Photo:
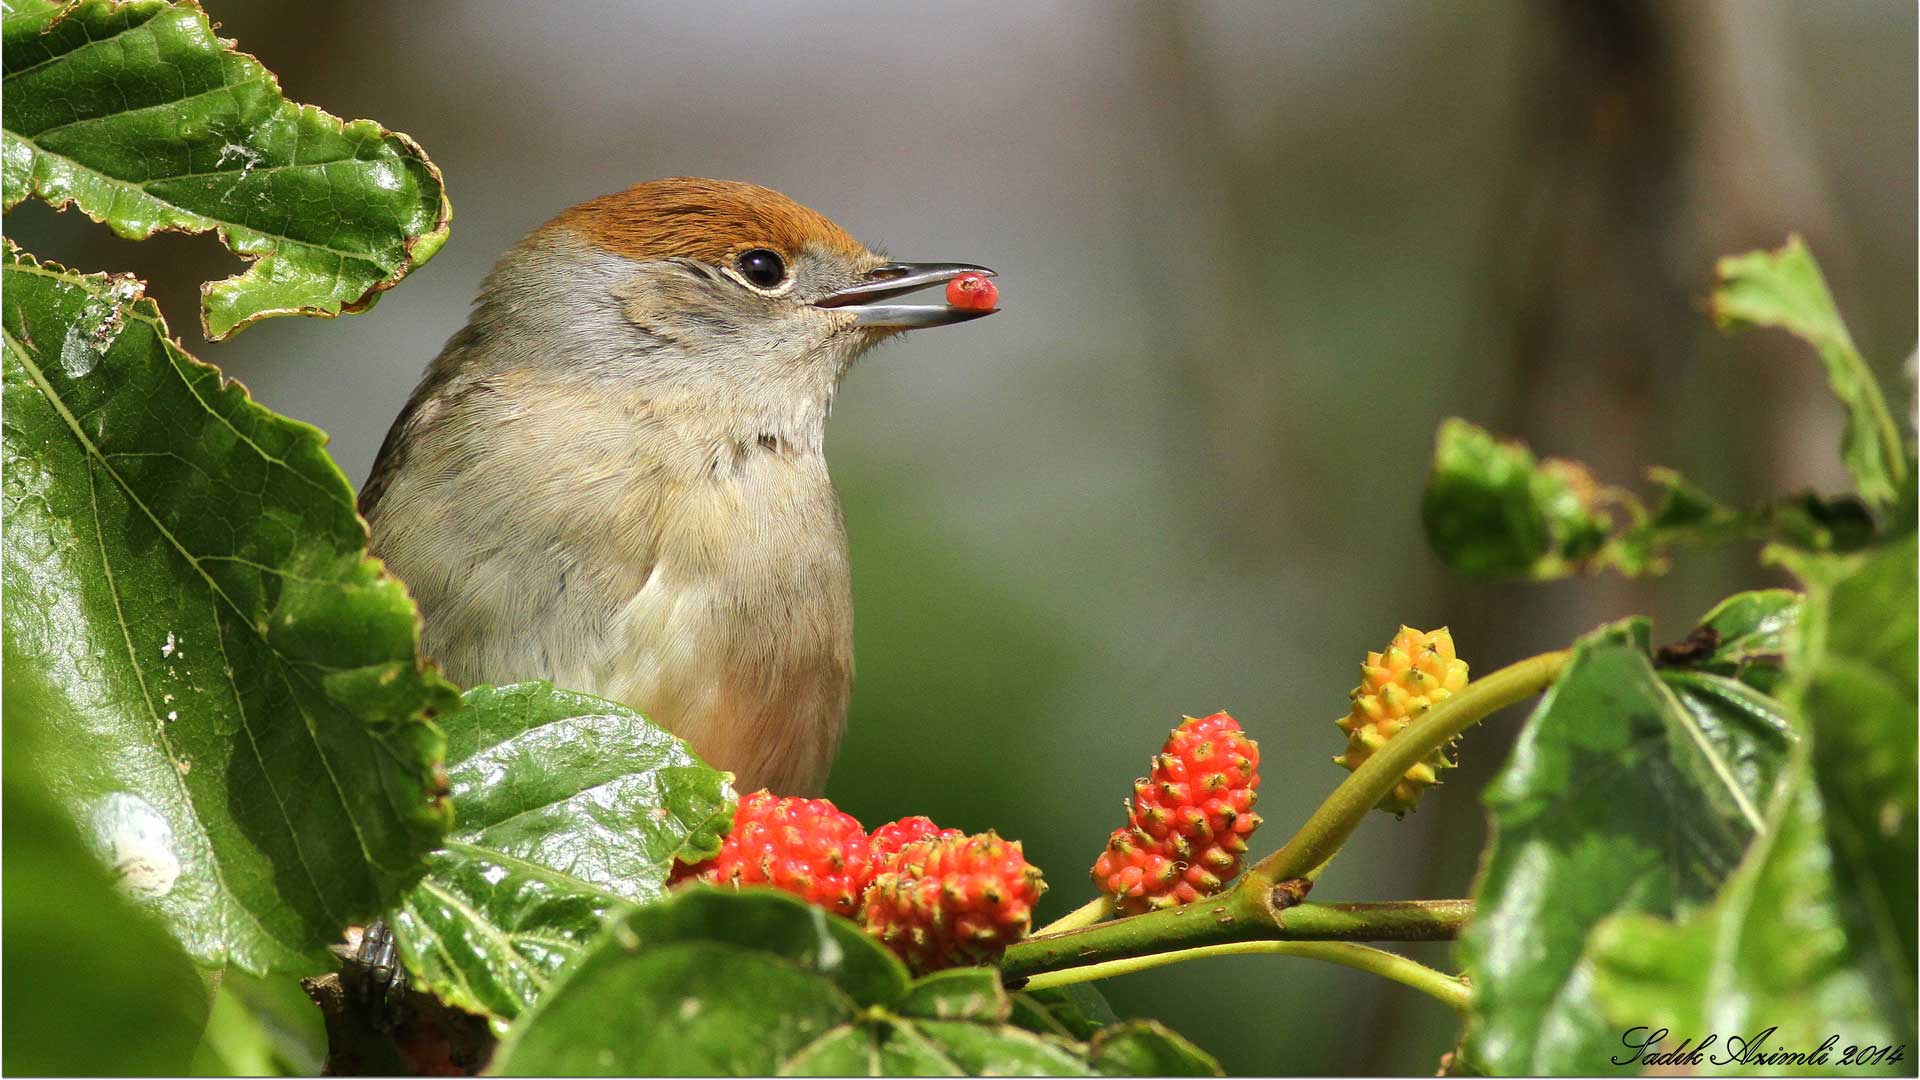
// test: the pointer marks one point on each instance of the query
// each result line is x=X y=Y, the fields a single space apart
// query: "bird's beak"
x=898 y=279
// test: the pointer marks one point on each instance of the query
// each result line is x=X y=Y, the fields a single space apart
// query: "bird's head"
x=713 y=294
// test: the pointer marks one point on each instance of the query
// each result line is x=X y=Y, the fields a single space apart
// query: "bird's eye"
x=762 y=267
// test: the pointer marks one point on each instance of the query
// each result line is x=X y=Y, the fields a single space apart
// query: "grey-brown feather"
x=614 y=478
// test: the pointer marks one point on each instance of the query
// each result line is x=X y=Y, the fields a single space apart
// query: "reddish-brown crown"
x=709 y=220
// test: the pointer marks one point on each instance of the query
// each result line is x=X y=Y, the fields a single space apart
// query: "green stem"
x=1239 y=915
x=1098 y=909
x=1258 y=908
x=1446 y=988
x=1342 y=812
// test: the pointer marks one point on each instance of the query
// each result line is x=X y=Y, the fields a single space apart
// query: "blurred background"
x=1250 y=255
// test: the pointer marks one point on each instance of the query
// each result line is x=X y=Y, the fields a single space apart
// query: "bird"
x=614 y=476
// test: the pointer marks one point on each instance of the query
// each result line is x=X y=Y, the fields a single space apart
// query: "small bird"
x=614 y=477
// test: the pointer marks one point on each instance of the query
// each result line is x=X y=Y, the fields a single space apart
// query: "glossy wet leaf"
x=716 y=982
x=1814 y=933
x=1785 y=289
x=1855 y=687
x=1774 y=951
x=1857 y=691
x=1745 y=636
x=95 y=986
x=143 y=118
x=1630 y=789
x=239 y=700
x=570 y=807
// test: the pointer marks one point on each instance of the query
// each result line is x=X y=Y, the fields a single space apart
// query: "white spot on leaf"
x=137 y=842
x=248 y=158
x=97 y=327
x=77 y=357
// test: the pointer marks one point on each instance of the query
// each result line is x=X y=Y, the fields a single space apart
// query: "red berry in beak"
x=972 y=292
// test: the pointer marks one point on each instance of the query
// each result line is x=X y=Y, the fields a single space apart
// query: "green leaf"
x=1630 y=789
x=1745 y=636
x=261 y=1027
x=95 y=985
x=1785 y=289
x=143 y=118
x=957 y=994
x=1492 y=510
x=1814 y=934
x=1773 y=952
x=716 y=982
x=1855 y=685
x=238 y=700
x=1076 y=1010
x=1147 y=1048
x=570 y=808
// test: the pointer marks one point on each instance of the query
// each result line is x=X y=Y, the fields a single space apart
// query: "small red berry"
x=1135 y=872
x=888 y=839
x=972 y=292
x=1188 y=820
x=807 y=847
x=954 y=900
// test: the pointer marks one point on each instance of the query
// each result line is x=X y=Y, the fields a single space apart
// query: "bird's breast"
x=604 y=546
x=740 y=637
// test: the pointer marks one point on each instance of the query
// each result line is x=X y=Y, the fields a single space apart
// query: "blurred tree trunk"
x=1661 y=136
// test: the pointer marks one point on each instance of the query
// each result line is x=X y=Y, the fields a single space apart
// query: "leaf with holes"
x=1631 y=789
x=571 y=807
x=716 y=982
x=143 y=118
x=239 y=708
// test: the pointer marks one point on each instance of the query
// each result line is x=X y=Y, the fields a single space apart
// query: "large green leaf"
x=570 y=808
x=1773 y=952
x=238 y=705
x=1814 y=935
x=1631 y=789
x=1855 y=686
x=143 y=118
x=94 y=985
x=1785 y=289
x=715 y=982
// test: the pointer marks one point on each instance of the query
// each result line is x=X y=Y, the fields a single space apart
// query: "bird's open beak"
x=898 y=279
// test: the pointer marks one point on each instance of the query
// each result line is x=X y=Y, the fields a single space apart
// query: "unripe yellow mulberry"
x=1416 y=672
